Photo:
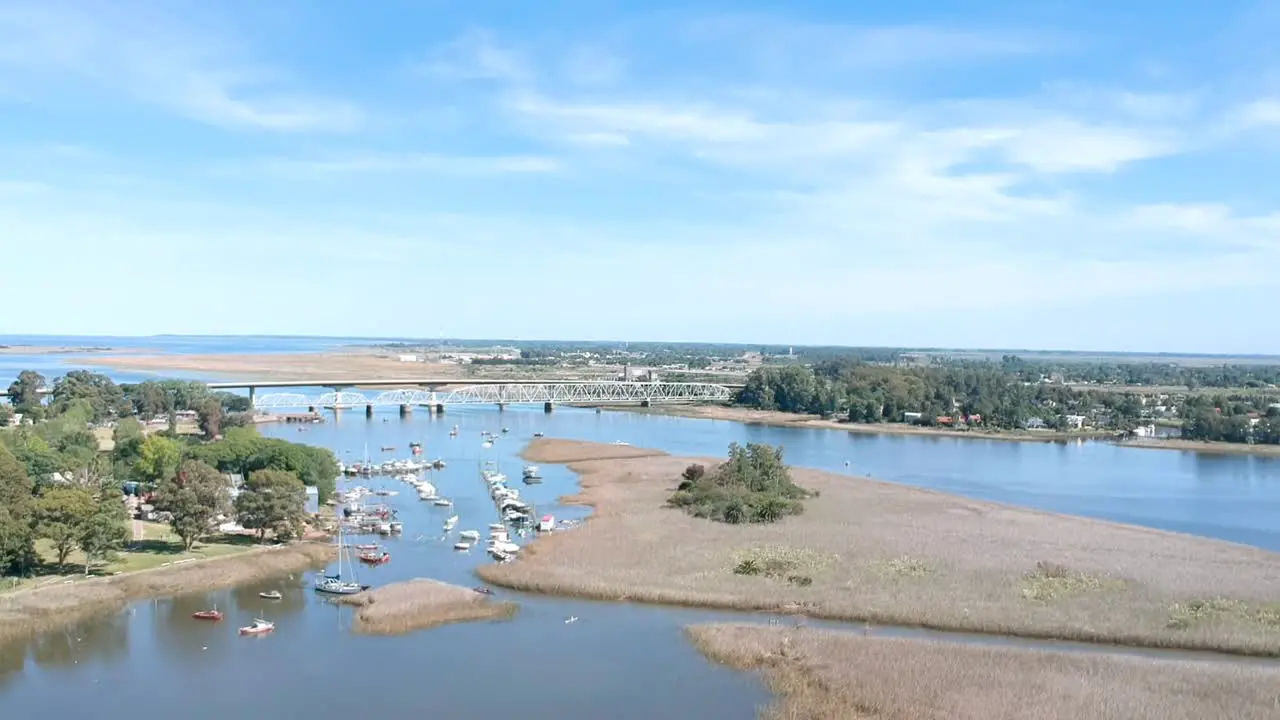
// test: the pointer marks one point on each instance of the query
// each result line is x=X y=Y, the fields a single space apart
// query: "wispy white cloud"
x=414 y=163
x=156 y=59
x=476 y=55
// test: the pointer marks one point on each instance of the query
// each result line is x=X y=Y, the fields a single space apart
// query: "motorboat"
x=451 y=523
x=486 y=444
x=214 y=615
x=368 y=546
x=506 y=430
x=482 y=590
x=464 y=545
x=469 y=535
x=530 y=471
x=375 y=557
x=538 y=434
x=442 y=502
x=258 y=627
x=438 y=464
x=497 y=526
x=270 y=595
x=397 y=527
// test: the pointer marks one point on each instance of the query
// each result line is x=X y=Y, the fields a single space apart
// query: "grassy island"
x=420 y=604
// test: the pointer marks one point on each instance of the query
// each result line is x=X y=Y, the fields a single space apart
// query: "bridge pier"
x=645 y=403
x=439 y=408
x=406 y=410
x=368 y=411
x=502 y=407
x=311 y=408
x=546 y=406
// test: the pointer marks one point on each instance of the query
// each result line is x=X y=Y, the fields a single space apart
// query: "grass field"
x=892 y=554
x=832 y=675
x=158 y=547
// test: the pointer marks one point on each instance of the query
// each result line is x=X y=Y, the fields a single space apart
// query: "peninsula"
x=880 y=552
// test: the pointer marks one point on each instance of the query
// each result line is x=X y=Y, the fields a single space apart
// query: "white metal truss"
x=567 y=393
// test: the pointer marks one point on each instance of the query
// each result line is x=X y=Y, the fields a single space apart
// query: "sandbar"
x=25 y=613
x=835 y=675
x=875 y=551
x=419 y=604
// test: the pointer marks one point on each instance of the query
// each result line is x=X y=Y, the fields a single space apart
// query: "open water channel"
x=617 y=660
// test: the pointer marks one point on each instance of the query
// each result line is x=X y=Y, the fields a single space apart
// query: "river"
x=618 y=660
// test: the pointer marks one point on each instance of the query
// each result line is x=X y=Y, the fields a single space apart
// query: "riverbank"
x=793 y=420
x=834 y=675
x=420 y=604
x=25 y=613
x=867 y=550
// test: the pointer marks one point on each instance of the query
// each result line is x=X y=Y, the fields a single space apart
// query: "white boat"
x=334 y=584
x=462 y=546
x=443 y=502
x=451 y=523
x=397 y=527
x=531 y=471
x=486 y=444
x=469 y=535
x=497 y=526
x=547 y=524
x=258 y=627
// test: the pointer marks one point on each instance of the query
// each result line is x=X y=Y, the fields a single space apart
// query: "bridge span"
x=500 y=393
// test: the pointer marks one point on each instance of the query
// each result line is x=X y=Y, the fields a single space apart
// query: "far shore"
x=28 y=612
x=775 y=418
x=56 y=350
x=880 y=552
x=420 y=604
x=835 y=675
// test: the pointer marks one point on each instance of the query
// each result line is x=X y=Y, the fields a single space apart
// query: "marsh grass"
x=904 y=566
x=831 y=675
x=1051 y=581
x=797 y=566
x=419 y=604
x=29 y=612
x=977 y=556
x=1193 y=612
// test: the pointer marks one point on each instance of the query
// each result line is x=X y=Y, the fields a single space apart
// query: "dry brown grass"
x=28 y=612
x=903 y=556
x=832 y=675
x=420 y=604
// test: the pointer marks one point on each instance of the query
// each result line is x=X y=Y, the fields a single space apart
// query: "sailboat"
x=334 y=584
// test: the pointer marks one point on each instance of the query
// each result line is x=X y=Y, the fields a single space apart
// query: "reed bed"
x=419 y=604
x=892 y=554
x=834 y=675
x=29 y=612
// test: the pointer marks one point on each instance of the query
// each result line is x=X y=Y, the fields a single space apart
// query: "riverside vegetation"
x=62 y=495
x=866 y=550
x=834 y=675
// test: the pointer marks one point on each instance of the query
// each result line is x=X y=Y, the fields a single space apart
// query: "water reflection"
x=103 y=639
x=13 y=658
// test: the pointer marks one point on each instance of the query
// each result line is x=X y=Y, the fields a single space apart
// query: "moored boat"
x=214 y=615
x=464 y=545
x=270 y=595
x=258 y=627
x=451 y=523
x=469 y=535
x=375 y=557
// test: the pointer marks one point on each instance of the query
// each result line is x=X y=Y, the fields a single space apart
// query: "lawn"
x=157 y=547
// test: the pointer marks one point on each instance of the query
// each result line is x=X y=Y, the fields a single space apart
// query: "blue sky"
x=1080 y=175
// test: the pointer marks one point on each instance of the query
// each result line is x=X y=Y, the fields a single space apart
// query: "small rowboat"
x=367 y=546
x=375 y=558
x=482 y=590
x=270 y=595
x=214 y=615
x=259 y=627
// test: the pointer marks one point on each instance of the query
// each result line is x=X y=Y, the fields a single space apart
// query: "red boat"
x=207 y=615
x=375 y=558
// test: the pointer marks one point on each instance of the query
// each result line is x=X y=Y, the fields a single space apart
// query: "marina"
x=306 y=629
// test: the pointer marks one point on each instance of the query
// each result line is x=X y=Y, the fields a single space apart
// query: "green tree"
x=195 y=497
x=272 y=500
x=128 y=428
x=158 y=459
x=17 y=535
x=104 y=398
x=61 y=515
x=37 y=458
x=25 y=391
x=6 y=415
x=105 y=530
x=209 y=412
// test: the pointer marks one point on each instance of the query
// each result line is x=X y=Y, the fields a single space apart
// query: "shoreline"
x=833 y=674
x=891 y=554
x=774 y=418
x=31 y=611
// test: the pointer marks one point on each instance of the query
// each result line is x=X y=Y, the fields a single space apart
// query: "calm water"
x=618 y=660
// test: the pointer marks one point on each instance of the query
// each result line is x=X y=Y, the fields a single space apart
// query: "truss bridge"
x=548 y=394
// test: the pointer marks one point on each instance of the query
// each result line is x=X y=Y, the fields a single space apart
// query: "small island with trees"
x=752 y=486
